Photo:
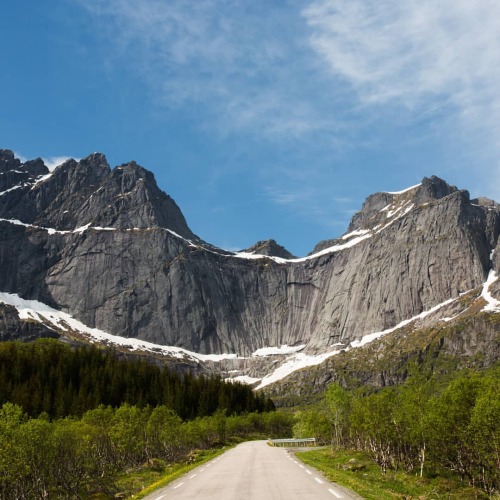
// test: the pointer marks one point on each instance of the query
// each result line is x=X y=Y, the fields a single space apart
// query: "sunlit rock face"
x=113 y=250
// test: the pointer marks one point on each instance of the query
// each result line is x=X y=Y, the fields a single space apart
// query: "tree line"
x=49 y=377
x=420 y=427
x=81 y=457
x=73 y=419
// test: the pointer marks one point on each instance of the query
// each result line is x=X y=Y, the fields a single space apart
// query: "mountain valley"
x=101 y=255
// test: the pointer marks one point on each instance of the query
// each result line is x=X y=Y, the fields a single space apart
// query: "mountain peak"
x=8 y=161
x=271 y=249
x=433 y=188
x=77 y=241
x=87 y=192
x=384 y=204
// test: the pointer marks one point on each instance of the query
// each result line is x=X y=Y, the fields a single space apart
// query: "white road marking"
x=191 y=477
x=308 y=471
x=178 y=486
x=300 y=465
x=160 y=497
x=318 y=480
x=335 y=493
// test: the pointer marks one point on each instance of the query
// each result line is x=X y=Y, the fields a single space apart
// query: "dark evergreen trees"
x=51 y=377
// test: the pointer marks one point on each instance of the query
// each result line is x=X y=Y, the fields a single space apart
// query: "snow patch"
x=353 y=238
x=14 y=171
x=366 y=339
x=392 y=212
x=294 y=363
x=492 y=304
x=11 y=189
x=335 y=248
x=358 y=232
x=35 y=310
x=284 y=349
x=404 y=190
x=377 y=229
x=41 y=179
x=51 y=230
x=82 y=228
x=301 y=360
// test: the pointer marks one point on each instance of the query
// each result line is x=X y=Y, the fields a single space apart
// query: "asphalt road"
x=253 y=471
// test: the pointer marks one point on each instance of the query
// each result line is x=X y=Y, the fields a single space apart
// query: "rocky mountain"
x=269 y=248
x=108 y=249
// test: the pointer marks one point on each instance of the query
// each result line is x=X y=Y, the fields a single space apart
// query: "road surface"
x=253 y=471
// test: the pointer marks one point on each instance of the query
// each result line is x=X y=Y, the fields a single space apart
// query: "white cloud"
x=419 y=54
x=20 y=157
x=427 y=62
x=54 y=161
x=51 y=162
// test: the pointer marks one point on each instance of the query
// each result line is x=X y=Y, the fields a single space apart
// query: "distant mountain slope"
x=109 y=248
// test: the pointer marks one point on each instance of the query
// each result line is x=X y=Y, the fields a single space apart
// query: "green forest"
x=423 y=427
x=49 y=377
x=72 y=421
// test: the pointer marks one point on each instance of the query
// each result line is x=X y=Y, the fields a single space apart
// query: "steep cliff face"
x=109 y=247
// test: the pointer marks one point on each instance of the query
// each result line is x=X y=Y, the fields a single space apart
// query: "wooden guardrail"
x=292 y=442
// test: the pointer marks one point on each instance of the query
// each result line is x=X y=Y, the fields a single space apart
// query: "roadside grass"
x=358 y=472
x=138 y=483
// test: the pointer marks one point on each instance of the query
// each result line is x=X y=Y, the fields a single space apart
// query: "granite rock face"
x=110 y=248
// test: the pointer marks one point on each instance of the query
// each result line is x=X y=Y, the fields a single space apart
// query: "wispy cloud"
x=421 y=55
x=421 y=62
x=54 y=161
x=314 y=75
x=20 y=157
x=51 y=162
x=242 y=62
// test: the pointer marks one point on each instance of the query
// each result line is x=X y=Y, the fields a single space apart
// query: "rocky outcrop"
x=109 y=247
x=271 y=249
x=13 y=328
x=14 y=174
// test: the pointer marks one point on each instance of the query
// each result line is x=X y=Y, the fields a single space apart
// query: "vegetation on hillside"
x=74 y=420
x=420 y=427
x=438 y=351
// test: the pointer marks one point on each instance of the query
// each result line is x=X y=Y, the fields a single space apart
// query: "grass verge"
x=139 y=483
x=358 y=472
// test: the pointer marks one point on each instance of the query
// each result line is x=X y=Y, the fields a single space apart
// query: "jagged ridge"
x=110 y=248
x=85 y=192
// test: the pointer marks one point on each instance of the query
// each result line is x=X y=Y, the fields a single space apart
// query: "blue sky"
x=262 y=119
